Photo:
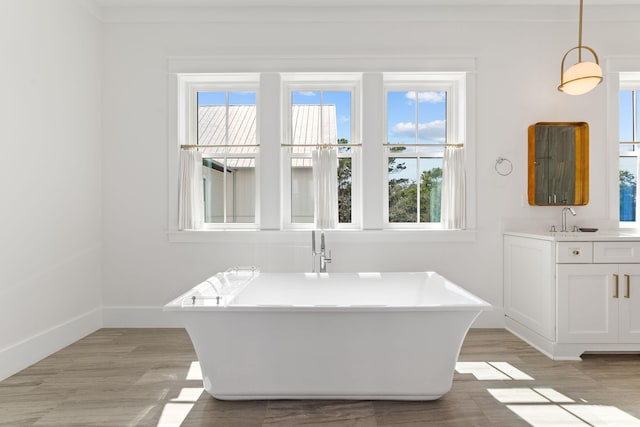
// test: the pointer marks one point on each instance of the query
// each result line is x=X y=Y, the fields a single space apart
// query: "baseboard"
x=19 y=356
x=139 y=317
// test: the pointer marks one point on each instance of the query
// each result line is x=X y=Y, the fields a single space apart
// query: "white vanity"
x=570 y=293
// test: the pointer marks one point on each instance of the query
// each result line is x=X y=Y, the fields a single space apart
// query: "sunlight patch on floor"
x=544 y=406
x=177 y=409
x=485 y=371
x=546 y=415
x=602 y=415
x=195 y=373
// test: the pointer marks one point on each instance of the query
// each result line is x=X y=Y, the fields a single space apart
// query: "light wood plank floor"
x=129 y=377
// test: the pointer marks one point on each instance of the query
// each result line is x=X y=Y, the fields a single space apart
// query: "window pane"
x=231 y=190
x=213 y=186
x=403 y=192
x=628 y=183
x=401 y=117
x=302 y=200
x=341 y=100
x=626 y=116
x=430 y=189
x=212 y=118
x=305 y=118
x=242 y=98
x=344 y=190
x=432 y=117
x=216 y=128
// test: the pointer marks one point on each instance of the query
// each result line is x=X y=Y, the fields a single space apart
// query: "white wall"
x=518 y=68
x=50 y=178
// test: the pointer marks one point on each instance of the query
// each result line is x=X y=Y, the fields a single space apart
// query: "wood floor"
x=130 y=377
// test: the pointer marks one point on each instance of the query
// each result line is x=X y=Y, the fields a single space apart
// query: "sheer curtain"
x=453 y=189
x=190 y=206
x=325 y=184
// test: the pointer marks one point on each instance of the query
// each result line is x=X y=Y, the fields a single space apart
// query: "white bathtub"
x=327 y=335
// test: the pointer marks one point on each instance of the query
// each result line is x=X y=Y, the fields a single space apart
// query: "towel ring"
x=505 y=169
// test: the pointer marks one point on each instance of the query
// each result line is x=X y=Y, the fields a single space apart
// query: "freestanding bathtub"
x=327 y=335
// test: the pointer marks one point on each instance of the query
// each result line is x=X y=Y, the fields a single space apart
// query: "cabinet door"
x=529 y=286
x=587 y=309
x=629 y=303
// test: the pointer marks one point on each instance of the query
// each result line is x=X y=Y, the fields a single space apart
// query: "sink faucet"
x=324 y=259
x=564 y=218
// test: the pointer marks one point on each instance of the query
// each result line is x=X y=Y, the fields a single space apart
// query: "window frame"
x=454 y=86
x=321 y=82
x=219 y=82
x=270 y=68
x=630 y=82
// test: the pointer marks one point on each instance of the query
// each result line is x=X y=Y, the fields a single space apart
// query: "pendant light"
x=583 y=76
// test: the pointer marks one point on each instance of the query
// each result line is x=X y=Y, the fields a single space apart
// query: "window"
x=320 y=111
x=223 y=127
x=420 y=123
x=628 y=148
x=269 y=133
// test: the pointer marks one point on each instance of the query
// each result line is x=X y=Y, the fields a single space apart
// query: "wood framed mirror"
x=559 y=164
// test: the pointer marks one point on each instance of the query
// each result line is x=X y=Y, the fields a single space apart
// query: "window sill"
x=338 y=236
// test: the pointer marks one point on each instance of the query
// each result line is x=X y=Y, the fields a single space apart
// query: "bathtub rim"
x=475 y=303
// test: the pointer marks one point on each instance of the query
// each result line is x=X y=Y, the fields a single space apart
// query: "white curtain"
x=452 y=212
x=191 y=203
x=325 y=184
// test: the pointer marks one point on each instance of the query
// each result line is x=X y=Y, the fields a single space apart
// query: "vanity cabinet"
x=595 y=304
x=568 y=297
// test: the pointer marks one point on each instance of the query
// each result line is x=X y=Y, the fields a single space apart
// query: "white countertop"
x=600 y=235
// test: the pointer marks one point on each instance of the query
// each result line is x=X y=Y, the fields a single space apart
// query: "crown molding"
x=368 y=14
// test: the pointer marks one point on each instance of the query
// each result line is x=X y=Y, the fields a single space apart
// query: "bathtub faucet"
x=324 y=259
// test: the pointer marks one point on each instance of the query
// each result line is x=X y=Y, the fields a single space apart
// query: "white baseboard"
x=21 y=355
x=139 y=317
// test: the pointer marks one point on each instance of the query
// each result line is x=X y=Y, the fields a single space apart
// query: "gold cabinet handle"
x=628 y=294
x=615 y=276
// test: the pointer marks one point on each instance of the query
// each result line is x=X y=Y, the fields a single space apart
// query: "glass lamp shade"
x=581 y=78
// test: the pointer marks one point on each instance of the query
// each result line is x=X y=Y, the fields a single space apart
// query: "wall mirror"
x=559 y=164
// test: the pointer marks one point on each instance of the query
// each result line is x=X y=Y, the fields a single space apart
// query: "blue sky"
x=626 y=116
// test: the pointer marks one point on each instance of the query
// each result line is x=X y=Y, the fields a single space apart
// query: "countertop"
x=600 y=235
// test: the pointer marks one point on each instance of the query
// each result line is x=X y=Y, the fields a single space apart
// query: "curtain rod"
x=422 y=145
x=321 y=145
x=187 y=146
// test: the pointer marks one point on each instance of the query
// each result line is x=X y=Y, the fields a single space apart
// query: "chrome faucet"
x=564 y=218
x=324 y=259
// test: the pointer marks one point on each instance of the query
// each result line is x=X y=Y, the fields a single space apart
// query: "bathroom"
x=90 y=238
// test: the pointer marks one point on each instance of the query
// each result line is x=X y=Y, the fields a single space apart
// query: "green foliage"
x=344 y=187
x=403 y=193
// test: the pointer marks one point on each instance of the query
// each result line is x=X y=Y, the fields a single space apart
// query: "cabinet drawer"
x=574 y=252
x=616 y=252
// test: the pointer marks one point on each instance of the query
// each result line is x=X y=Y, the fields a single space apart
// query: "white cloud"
x=343 y=119
x=432 y=97
x=306 y=93
x=431 y=131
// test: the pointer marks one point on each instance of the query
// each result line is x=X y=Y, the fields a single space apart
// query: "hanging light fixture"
x=584 y=75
